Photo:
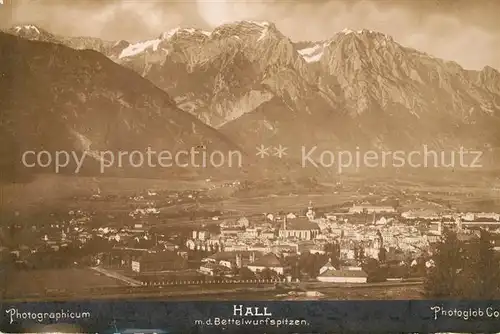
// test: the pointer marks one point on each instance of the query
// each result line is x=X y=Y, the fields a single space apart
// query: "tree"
x=304 y=260
x=267 y=273
x=311 y=263
x=418 y=269
x=332 y=251
x=245 y=273
x=443 y=278
x=464 y=270
x=374 y=271
x=359 y=253
x=317 y=262
x=480 y=277
x=382 y=255
x=295 y=271
x=365 y=213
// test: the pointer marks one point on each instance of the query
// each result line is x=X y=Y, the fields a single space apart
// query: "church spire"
x=310 y=211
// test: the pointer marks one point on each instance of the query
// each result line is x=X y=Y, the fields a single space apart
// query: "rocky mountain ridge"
x=358 y=88
x=56 y=98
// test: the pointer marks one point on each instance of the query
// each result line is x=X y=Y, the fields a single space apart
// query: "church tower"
x=310 y=211
x=458 y=224
x=379 y=241
x=238 y=260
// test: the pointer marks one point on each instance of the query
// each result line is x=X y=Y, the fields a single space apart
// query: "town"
x=355 y=244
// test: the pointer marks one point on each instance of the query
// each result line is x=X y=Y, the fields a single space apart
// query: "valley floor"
x=78 y=284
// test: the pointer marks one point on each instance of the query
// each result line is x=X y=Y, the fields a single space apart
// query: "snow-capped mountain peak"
x=357 y=88
x=185 y=32
x=365 y=33
x=247 y=28
x=31 y=31
x=26 y=28
x=263 y=24
x=349 y=31
x=170 y=33
x=137 y=48
x=312 y=52
x=164 y=38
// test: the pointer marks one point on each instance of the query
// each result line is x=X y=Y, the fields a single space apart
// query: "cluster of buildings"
x=364 y=231
x=270 y=244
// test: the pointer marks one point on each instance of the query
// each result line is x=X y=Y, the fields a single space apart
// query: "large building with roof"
x=343 y=275
x=371 y=209
x=269 y=261
x=232 y=259
x=299 y=228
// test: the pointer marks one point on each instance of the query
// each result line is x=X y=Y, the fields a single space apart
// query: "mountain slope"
x=36 y=33
x=357 y=89
x=216 y=76
x=56 y=98
x=222 y=75
x=408 y=95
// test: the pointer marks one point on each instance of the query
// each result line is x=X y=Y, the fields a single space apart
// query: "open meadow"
x=73 y=281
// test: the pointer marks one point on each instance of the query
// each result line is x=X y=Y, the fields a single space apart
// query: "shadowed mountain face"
x=57 y=98
x=357 y=89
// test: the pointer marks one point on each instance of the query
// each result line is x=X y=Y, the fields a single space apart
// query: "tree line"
x=463 y=269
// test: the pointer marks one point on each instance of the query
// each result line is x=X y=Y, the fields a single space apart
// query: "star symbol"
x=262 y=151
x=280 y=151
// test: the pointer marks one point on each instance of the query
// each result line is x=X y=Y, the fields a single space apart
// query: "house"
x=284 y=249
x=204 y=245
x=231 y=259
x=432 y=238
x=343 y=275
x=269 y=261
x=165 y=246
x=268 y=234
x=231 y=232
x=299 y=228
x=327 y=266
x=169 y=246
x=436 y=229
x=312 y=248
x=347 y=253
x=201 y=235
x=251 y=232
x=259 y=247
x=213 y=269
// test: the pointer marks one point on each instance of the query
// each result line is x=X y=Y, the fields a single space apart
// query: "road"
x=214 y=292
x=112 y=274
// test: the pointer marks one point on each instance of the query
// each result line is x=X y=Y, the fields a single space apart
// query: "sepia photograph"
x=243 y=150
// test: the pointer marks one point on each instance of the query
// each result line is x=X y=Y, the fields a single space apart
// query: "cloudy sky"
x=467 y=31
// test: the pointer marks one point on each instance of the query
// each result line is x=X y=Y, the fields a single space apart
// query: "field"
x=240 y=292
x=42 y=282
x=392 y=292
x=52 y=189
x=459 y=189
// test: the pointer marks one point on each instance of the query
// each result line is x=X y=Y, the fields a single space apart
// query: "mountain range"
x=57 y=98
x=252 y=85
